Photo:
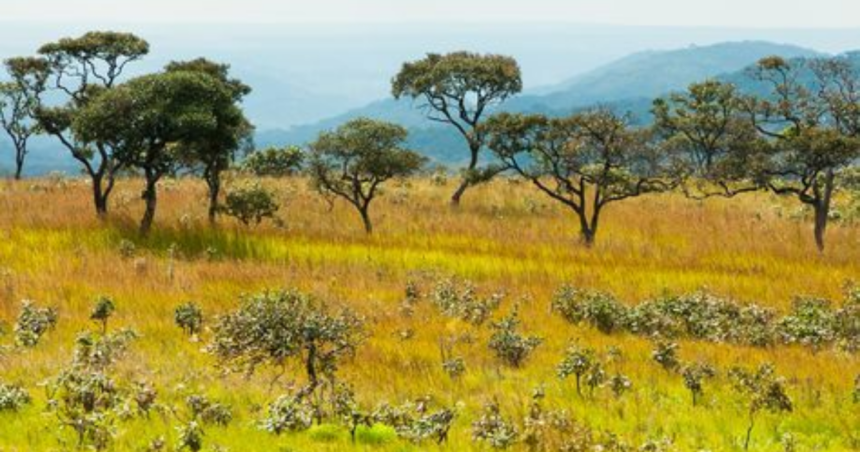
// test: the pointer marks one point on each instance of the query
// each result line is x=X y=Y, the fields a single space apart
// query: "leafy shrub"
x=459 y=299
x=416 y=422
x=103 y=309
x=810 y=323
x=33 y=322
x=847 y=322
x=208 y=412
x=13 y=397
x=99 y=352
x=762 y=390
x=289 y=413
x=274 y=162
x=508 y=344
x=598 y=309
x=144 y=397
x=190 y=437
x=666 y=355
x=694 y=375
x=492 y=428
x=273 y=327
x=189 y=317
x=250 y=203
x=619 y=384
x=578 y=361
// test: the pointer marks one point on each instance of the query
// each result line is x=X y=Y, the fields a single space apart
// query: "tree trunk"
x=822 y=211
x=749 y=432
x=19 y=163
x=465 y=183
x=587 y=233
x=820 y=226
x=214 y=183
x=150 y=196
x=99 y=197
x=365 y=218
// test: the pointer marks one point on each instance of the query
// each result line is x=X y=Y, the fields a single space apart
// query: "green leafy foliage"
x=762 y=390
x=492 y=427
x=274 y=162
x=509 y=346
x=32 y=323
x=13 y=397
x=273 y=327
x=356 y=159
x=102 y=311
x=251 y=204
x=189 y=317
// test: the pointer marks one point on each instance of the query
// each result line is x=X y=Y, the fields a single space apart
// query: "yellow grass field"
x=506 y=238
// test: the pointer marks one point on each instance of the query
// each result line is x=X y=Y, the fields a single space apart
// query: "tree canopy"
x=458 y=89
x=354 y=160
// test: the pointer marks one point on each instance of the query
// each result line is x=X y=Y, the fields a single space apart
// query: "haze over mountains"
x=310 y=77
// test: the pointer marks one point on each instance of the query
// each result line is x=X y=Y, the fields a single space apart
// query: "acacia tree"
x=458 y=89
x=150 y=120
x=710 y=140
x=81 y=68
x=19 y=100
x=814 y=130
x=354 y=160
x=585 y=161
x=216 y=152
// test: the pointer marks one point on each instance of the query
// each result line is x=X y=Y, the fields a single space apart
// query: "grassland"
x=505 y=238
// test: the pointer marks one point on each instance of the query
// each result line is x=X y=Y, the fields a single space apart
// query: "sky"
x=694 y=13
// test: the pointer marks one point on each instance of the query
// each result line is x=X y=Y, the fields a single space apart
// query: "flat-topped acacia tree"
x=82 y=68
x=458 y=89
x=585 y=161
x=354 y=160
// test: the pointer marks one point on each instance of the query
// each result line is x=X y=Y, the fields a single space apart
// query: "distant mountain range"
x=629 y=84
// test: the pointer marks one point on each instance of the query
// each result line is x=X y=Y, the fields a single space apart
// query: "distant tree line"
x=798 y=137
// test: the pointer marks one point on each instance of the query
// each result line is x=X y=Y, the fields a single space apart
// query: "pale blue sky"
x=713 y=13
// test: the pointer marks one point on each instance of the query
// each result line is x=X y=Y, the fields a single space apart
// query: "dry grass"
x=506 y=238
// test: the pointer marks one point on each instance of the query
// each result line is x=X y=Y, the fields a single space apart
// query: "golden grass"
x=506 y=237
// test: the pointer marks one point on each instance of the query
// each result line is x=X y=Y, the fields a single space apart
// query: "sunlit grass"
x=506 y=238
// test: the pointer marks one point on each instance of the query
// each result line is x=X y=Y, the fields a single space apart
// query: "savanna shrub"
x=273 y=327
x=33 y=322
x=493 y=428
x=598 y=309
x=762 y=390
x=13 y=397
x=189 y=317
x=578 y=361
x=417 y=422
x=208 y=412
x=289 y=413
x=509 y=346
x=811 y=323
x=459 y=299
x=250 y=203
x=103 y=309
x=666 y=355
x=694 y=375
